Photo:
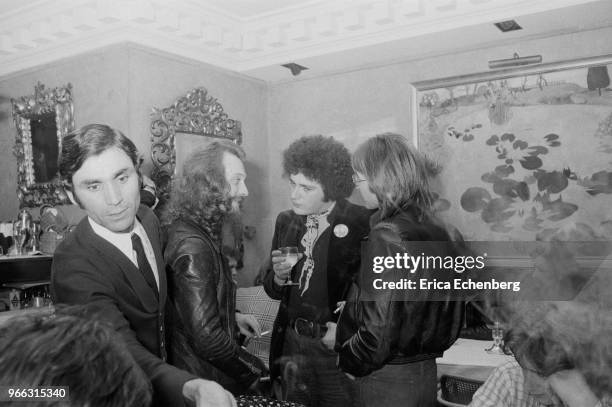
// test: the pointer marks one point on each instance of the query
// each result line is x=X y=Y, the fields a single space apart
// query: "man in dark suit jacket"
x=327 y=230
x=112 y=262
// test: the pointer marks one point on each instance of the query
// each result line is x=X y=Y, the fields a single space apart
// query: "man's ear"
x=73 y=198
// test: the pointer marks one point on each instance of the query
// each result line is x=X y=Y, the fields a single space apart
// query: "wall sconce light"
x=516 y=60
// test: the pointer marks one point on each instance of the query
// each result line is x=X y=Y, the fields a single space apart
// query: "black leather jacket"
x=202 y=296
x=390 y=329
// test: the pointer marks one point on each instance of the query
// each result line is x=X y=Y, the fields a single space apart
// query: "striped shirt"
x=504 y=388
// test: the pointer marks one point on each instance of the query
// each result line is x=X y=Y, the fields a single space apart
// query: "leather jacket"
x=379 y=327
x=202 y=297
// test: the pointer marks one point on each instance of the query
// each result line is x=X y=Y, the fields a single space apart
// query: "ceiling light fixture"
x=295 y=69
x=508 y=25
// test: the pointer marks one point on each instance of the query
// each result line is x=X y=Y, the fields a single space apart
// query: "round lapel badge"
x=341 y=230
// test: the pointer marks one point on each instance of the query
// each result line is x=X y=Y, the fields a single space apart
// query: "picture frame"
x=42 y=120
x=195 y=119
x=521 y=154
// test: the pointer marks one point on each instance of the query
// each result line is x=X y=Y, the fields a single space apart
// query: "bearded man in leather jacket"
x=327 y=230
x=201 y=289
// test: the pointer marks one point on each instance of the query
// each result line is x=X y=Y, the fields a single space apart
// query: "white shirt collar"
x=123 y=242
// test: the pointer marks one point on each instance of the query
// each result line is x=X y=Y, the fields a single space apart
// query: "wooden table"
x=467 y=358
x=23 y=269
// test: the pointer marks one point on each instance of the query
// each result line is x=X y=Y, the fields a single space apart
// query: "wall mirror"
x=192 y=121
x=42 y=120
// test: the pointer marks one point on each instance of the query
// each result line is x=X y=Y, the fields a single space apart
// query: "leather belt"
x=305 y=327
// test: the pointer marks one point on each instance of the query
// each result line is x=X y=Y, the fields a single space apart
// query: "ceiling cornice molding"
x=44 y=30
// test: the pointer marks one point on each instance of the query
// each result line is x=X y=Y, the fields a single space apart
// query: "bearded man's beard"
x=234 y=205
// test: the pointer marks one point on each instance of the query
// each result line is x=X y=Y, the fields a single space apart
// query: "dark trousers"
x=310 y=375
x=408 y=385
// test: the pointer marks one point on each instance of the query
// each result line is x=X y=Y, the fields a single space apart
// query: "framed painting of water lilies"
x=522 y=153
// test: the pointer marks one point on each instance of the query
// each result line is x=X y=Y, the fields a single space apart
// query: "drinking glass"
x=290 y=253
x=19 y=236
x=34 y=244
x=497 y=332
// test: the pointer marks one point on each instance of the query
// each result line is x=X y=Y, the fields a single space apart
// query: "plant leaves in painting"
x=492 y=141
x=475 y=199
x=536 y=150
x=490 y=177
x=520 y=144
x=598 y=183
x=532 y=222
x=551 y=181
x=551 y=137
x=496 y=211
x=531 y=162
x=504 y=170
x=560 y=210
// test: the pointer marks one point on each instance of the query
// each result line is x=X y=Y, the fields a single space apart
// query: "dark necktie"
x=143 y=263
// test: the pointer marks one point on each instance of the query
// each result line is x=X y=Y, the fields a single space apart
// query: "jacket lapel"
x=108 y=251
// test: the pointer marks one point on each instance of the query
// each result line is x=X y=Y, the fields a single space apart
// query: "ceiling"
x=254 y=37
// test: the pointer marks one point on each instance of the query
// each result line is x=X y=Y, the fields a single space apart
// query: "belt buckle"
x=308 y=325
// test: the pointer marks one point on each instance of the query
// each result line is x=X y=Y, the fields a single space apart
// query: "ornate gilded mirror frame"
x=42 y=120
x=195 y=113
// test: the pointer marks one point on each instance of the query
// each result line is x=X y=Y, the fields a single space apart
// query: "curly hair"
x=201 y=192
x=323 y=160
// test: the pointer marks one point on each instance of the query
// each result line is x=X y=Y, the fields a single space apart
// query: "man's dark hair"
x=91 y=140
x=324 y=160
x=65 y=349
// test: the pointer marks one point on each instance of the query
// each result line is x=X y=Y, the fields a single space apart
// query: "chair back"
x=458 y=390
x=255 y=301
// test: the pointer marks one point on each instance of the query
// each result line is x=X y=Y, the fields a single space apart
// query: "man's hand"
x=282 y=270
x=572 y=389
x=248 y=325
x=329 y=340
x=205 y=393
x=350 y=376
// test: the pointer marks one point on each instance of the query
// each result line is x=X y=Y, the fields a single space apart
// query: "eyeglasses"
x=357 y=180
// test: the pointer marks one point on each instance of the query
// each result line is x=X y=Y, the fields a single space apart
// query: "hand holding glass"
x=291 y=255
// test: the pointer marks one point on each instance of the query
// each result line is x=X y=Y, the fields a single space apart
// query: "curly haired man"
x=327 y=230
x=202 y=292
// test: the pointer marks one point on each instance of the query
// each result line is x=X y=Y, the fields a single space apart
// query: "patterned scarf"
x=308 y=241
